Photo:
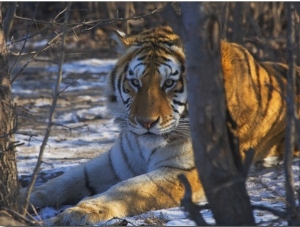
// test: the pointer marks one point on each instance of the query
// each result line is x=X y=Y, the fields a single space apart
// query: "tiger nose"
x=147 y=123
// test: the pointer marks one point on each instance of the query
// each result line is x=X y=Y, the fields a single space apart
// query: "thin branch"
x=281 y=214
x=25 y=41
x=92 y=24
x=97 y=23
x=52 y=109
x=69 y=85
x=9 y=19
x=21 y=218
x=188 y=204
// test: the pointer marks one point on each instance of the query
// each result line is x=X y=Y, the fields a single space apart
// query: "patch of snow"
x=86 y=66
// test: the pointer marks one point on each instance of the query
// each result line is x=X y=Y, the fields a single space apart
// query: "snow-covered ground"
x=83 y=129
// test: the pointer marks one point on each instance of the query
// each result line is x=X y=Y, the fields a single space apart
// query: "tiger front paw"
x=82 y=214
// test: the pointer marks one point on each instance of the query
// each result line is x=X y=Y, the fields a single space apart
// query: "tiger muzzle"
x=148 y=123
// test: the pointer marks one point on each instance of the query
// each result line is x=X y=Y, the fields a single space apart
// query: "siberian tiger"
x=147 y=95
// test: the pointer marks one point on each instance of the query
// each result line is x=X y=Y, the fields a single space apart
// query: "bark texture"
x=9 y=186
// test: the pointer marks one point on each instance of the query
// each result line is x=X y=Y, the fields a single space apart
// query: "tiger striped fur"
x=147 y=95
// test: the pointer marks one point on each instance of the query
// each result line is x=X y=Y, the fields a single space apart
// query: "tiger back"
x=255 y=95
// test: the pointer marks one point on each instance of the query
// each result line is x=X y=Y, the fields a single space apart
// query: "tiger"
x=147 y=94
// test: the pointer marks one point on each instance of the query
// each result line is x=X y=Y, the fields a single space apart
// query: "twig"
x=25 y=41
x=36 y=53
x=68 y=85
x=20 y=217
x=53 y=106
x=115 y=20
x=9 y=19
x=92 y=24
x=26 y=133
x=188 y=204
x=13 y=145
x=278 y=213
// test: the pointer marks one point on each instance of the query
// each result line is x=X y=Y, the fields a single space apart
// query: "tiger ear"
x=120 y=38
x=178 y=42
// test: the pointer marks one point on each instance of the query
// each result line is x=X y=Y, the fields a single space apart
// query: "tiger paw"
x=82 y=214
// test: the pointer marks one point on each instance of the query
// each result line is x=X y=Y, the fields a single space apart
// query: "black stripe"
x=167 y=124
x=257 y=74
x=112 y=78
x=125 y=156
x=178 y=103
x=131 y=147
x=146 y=67
x=141 y=63
x=168 y=43
x=120 y=88
x=282 y=70
x=178 y=56
x=270 y=91
x=256 y=88
x=165 y=59
x=126 y=101
x=163 y=63
x=181 y=90
x=142 y=58
x=119 y=84
x=282 y=98
x=87 y=183
x=145 y=50
x=126 y=68
x=247 y=61
x=179 y=168
x=117 y=177
x=140 y=150
x=173 y=53
x=151 y=154
x=283 y=75
x=174 y=109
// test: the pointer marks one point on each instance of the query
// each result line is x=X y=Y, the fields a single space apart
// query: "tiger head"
x=146 y=90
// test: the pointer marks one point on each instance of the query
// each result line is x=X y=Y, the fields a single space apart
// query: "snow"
x=85 y=130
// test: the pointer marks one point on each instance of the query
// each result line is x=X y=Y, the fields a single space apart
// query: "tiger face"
x=147 y=88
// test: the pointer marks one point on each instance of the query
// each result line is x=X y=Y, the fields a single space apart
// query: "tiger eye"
x=135 y=82
x=169 y=83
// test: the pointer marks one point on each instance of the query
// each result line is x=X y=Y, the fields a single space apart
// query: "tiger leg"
x=155 y=190
x=75 y=184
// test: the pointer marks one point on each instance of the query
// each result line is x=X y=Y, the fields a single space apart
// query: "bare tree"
x=9 y=186
x=292 y=117
x=216 y=155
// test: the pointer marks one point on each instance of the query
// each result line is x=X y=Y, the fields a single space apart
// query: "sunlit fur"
x=255 y=93
x=147 y=95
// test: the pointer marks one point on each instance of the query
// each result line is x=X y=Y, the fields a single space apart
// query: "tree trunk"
x=216 y=156
x=9 y=186
x=292 y=117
